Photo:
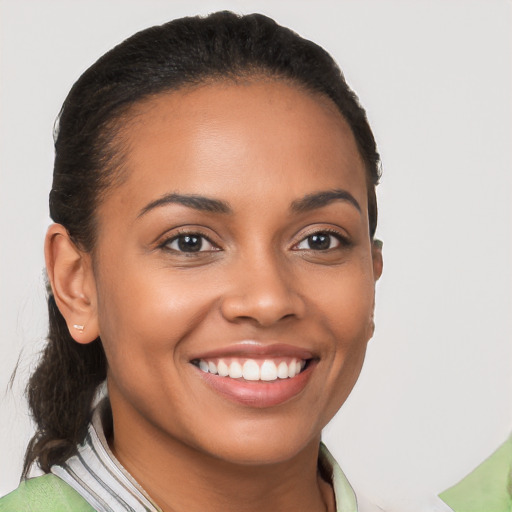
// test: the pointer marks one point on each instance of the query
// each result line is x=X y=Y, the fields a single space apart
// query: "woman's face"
x=235 y=254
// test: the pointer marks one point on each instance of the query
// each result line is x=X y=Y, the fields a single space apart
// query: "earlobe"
x=371 y=327
x=72 y=280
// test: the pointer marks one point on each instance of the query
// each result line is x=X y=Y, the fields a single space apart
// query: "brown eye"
x=321 y=241
x=190 y=243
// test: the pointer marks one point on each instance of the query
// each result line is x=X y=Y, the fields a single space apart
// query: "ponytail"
x=60 y=393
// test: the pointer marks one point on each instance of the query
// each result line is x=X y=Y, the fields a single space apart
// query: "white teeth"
x=282 y=370
x=251 y=369
x=222 y=368
x=268 y=370
x=291 y=369
x=235 y=370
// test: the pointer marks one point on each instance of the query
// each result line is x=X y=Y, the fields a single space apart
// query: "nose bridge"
x=263 y=289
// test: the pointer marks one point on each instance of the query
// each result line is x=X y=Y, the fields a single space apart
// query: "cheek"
x=146 y=316
x=144 y=322
x=345 y=305
x=345 y=299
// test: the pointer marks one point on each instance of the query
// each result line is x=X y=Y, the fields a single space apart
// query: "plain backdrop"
x=434 y=398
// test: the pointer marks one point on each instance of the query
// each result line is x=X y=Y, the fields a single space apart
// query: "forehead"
x=253 y=139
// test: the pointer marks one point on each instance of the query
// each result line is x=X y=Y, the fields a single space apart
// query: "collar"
x=104 y=483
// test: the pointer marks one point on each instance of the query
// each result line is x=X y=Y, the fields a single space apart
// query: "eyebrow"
x=323 y=198
x=201 y=203
x=206 y=204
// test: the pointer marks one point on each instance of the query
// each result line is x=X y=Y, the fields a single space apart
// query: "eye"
x=190 y=243
x=320 y=241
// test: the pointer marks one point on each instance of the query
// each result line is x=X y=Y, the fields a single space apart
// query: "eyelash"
x=166 y=244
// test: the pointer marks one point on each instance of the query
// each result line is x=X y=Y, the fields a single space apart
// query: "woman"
x=213 y=259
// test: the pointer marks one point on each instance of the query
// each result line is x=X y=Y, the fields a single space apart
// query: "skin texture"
x=258 y=146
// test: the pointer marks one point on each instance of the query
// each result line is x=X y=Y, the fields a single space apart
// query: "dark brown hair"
x=183 y=52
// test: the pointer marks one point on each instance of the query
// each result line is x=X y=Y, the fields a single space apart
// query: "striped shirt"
x=101 y=480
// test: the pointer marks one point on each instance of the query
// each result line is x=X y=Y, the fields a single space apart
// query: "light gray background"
x=435 y=394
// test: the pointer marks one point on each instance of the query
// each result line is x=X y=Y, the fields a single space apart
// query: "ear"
x=72 y=280
x=377 y=272
x=377 y=258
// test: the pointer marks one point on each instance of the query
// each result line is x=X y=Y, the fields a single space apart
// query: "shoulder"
x=47 y=493
x=488 y=487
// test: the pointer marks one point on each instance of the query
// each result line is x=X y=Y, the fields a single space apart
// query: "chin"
x=256 y=444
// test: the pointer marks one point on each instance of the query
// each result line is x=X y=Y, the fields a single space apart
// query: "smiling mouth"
x=256 y=375
x=250 y=369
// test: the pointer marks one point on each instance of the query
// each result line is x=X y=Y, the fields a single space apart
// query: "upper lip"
x=250 y=348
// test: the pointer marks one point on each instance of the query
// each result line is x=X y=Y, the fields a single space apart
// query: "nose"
x=263 y=292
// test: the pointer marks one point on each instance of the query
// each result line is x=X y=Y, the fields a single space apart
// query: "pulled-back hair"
x=88 y=161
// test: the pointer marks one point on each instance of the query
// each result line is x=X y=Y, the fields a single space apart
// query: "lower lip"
x=259 y=394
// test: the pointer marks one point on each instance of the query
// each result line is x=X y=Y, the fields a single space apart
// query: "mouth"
x=255 y=375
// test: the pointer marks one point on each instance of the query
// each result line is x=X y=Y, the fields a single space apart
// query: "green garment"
x=488 y=488
x=47 y=493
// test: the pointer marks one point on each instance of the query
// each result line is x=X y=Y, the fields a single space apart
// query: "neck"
x=180 y=478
